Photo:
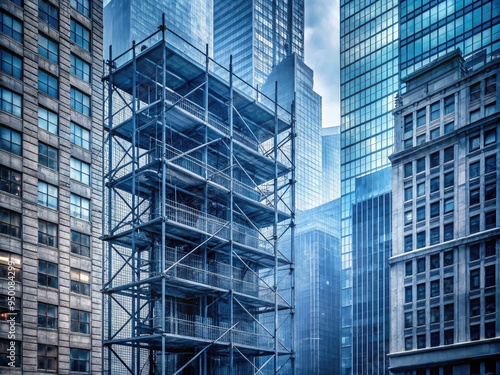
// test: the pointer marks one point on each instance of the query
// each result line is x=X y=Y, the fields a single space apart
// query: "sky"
x=322 y=54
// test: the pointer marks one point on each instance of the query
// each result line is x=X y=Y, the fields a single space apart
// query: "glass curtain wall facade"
x=331 y=163
x=369 y=82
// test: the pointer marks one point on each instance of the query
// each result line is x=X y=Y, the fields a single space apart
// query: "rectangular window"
x=408 y=294
x=83 y=6
x=48 y=84
x=408 y=217
x=9 y=308
x=435 y=288
x=434 y=261
x=408 y=243
x=475 y=115
x=475 y=92
x=48 y=13
x=474 y=170
x=449 y=312
x=48 y=120
x=408 y=123
x=435 y=133
x=80 y=321
x=448 y=258
x=448 y=336
x=80 y=282
x=490 y=137
x=47 y=233
x=420 y=214
x=449 y=104
x=489 y=276
x=10 y=223
x=408 y=343
x=408 y=268
x=490 y=220
x=421 y=341
x=420 y=291
x=47 y=195
x=474 y=307
x=48 y=156
x=421 y=189
x=80 y=101
x=434 y=236
x=474 y=332
x=490 y=164
x=434 y=159
x=491 y=85
x=435 y=312
x=47 y=357
x=490 y=248
x=48 y=274
x=5 y=345
x=448 y=285
x=449 y=154
x=48 y=48
x=8 y=259
x=474 y=252
x=421 y=120
x=80 y=243
x=408 y=193
x=420 y=265
x=10 y=102
x=47 y=315
x=408 y=320
x=11 y=64
x=80 y=171
x=80 y=68
x=489 y=332
x=434 y=209
x=449 y=205
x=420 y=165
x=449 y=127
x=80 y=136
x=435 y=340
x=434 y=184
x=490 y=304
x=11 y=27
x=448 y=232
x=79 y=360
x=420 y=317
x=408 y=169
x=475 y=280
x=474 y=143
x=80 y=35
x=10 y=181
x=420 y=240
x=435 y=112
x=449 y=179
x=79 y=207
x=474 y=197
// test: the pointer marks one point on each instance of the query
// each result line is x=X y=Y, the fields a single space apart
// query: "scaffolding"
x=199 y=199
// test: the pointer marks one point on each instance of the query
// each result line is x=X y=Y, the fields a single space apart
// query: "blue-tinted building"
x=331 y=163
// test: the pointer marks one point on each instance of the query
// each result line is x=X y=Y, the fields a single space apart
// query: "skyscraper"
x=444 y=266
x=50 y=187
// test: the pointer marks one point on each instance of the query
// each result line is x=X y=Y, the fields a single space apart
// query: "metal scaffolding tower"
x=198 y=218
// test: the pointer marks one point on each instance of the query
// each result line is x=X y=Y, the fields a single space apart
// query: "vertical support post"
x=163 y=194
x=275 y=226
x=231 y=212
x=292 y=230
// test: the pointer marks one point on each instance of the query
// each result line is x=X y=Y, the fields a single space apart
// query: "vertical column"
x=292 y=232
x=231 y=213
x=275 y=226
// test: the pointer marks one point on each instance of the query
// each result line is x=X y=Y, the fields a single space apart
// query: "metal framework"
x=198 y=218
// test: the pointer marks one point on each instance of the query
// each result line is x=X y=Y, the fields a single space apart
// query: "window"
x=475 y=91
x=448 y=232
x=435 y=318
x=409 y=268
x=10 y=102
x=434 y=261
x=408 y=123
x=408 y=343
x=11 y=64
x=408 y=169
x=489 y=332
x=449 y=154
x=79 y=207
x=7 y=260
x=420 y=265
x=448 y=258
x=490 y=304
x=10 y=223
x=5 y=345
x=448 y=336
x=435 y=209
x=80 y=171
x=449 y=104
x=48 y=13
x=80 y=282
x=491 y=85
x=490 y=109
x=420 y=240
x=48 y=274
x=435 y=341
x=83 y=6
x=421 y=341
x=47 y=357
x=11 y=27
x=489 y=276
x=408 y=294
x=435 y=111
x=80 y=68
x=80 y=136
x=490 y=137
x=448 y=285
x=434 y=159
x=435 y=133
x=47 y=156
x=474 y=197
x=421 y=165
x=47 y=233
x=474 y=252
x=449 y=205
x=10 y=181
x=80 y=101
x=47 y=315
x=490 y=164
x=408 y=193
x=435 y=288
x=408 y=320
x=449 y=179
x=434 y=235
x=490 y=220
x=449 y=127
x=408 y=243
x=48 y=84
x=474 y=143
x=80 y=321
x=434 y=184
x=474 y=332
x=408 y=217
x=420 y=213
x=408 y=143
x=79 y=360
x=420 y=139
x=9 y=308
x=475 y=115
x=420 y=292
x=80 y=243
x=421 y=189
x=490 y=248
x=474 y=170
x=48 y=120
x=474 y=307
x=449 y=312
x=48 y=48
x=420 y=317
x=47 y=195
x=421 y=117
x=474 y=276
x=80 y=35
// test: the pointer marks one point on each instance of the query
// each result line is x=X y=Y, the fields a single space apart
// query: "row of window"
x=446 y=232
x=431 y=262
x=48 y=196
x=435 y=289
x=435 y=160
x=48 y=318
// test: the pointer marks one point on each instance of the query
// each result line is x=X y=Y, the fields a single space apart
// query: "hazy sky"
x=322 y=54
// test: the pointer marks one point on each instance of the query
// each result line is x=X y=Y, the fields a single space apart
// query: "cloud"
x=322 y=54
